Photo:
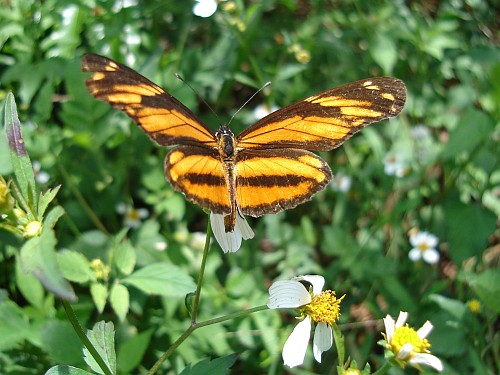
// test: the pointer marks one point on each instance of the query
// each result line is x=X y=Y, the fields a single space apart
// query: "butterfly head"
x=227 y=143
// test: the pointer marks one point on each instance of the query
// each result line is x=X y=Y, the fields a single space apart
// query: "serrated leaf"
x=66 y=370
x=99 y=295
x=75 y=267
x=38 y=257
x=19 y=156
x=102 y=337
x=217 y=366
x=120 y=300
x=130 y=352
x=46 y=198
x=162 y=279
x=53 y=216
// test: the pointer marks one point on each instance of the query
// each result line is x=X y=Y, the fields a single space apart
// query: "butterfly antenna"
x=249 y=99
x=178 y=76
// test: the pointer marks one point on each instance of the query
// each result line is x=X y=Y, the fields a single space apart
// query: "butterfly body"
x=265 y=169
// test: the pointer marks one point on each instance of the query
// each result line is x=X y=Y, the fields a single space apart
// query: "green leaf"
x=120 y=300
x=125 y=257
x=102 y=337
x=487 y=287
x=130 y=352
x=163 y=279
x=53 y=216
x=99 y=295
x=14 y=326
x=75 y=267
x=46 y=198
x=30 y=287
x=384 y=52
x=38 y=257
x=217 y=366
x=473 y=128
x=66 y=370
x=19 y=156
x=61 y=342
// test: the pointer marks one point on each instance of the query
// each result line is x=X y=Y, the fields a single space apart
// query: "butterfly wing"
x=324 y=121
x=273 y=180
x=197 y=172
x=159 y=114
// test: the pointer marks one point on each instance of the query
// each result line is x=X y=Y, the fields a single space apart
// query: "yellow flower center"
x=406 y=335
x=133 y=214
x=324 y=307
x=423 y=246
x=474 y=306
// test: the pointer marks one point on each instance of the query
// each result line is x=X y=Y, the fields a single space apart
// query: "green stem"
x=230 y=316
x=196 y=303
x=83 y=338
x=387 y=365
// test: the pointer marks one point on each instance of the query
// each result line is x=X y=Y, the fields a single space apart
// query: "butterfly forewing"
x=270 y=181
x=324 y=121
x=160 y=115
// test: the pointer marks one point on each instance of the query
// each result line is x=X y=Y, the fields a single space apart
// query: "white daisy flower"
x=230 y=242
x=204 y=8
x=424 y=247
x=408 y=345
x=262 y=110
x=341 y=182
x=132 y=216
x=395 y=165
x=316 y=306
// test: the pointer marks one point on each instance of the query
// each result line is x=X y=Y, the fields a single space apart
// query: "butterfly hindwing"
x=197 y=172
x=270 y=181
x=160 y=115
x=324 y=121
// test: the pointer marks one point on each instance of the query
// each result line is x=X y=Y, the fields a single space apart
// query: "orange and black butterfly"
x=266 y=168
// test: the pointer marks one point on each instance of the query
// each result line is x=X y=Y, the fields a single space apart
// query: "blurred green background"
x=446 y=179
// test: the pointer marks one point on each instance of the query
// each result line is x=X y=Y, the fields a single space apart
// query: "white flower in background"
x=262 y=110
x=341 y=182
x=420 y=132
x=408 y=345
x=41 y=177
x=230 y=242
x=204 y=8
x=424 y=247
x=161 y=246
x=395 y=165
x=316 y=306
x=132 y=216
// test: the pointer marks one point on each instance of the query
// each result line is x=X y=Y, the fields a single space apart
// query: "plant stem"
x=83 y=338
x=196 y=303
x=383 y=369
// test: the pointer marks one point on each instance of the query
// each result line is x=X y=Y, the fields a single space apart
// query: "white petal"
x=323 y=340
x=204 y=8
x=121 y=208
x=229 y=242
x=143 y=213
x=431 y=256
x=403 y=315
x=243 y=227
x=295 y=346
x=432 y=240
x=389 y=328
x=424 y=331
x=415 y=254
x=417 y=239
x=316 y=281
x=405 y=351
x=427 y=359
x=288 y=294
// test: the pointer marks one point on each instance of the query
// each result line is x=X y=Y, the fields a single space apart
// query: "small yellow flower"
x=101 y=270
x=408 y=345
x=6 y=199
x=32 y=229
x=316 y=306
x=474 y=306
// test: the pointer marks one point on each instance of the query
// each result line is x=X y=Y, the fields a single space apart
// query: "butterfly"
x=265 y=169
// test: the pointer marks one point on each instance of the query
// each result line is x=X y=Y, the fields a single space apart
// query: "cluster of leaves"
x=446 y=52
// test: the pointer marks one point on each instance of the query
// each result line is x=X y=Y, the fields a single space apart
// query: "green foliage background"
x=446 y=52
